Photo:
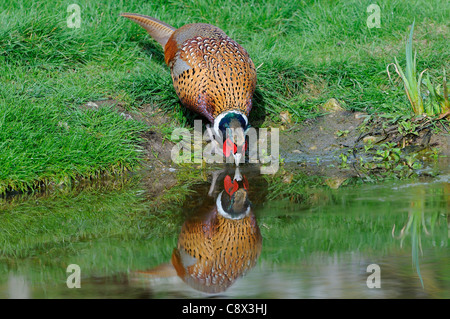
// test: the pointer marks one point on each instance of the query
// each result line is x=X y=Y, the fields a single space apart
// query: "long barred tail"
x=159 y=30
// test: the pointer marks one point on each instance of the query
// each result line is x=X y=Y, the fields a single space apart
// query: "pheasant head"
x=232 y=126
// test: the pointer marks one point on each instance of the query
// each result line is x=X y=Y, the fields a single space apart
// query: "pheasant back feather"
x=211 y=73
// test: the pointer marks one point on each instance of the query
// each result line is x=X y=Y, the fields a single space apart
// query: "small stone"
x=335 y=182
x=369 y=139
x=360 y=115
x=92 y=105
x=297 y=151
x=312 y=148
x=332 y=105
x=126 y=116
x=287 y=179
x=285 y=117
x=64 y=124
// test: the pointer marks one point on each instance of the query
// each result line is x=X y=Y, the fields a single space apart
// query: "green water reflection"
x=317 y=245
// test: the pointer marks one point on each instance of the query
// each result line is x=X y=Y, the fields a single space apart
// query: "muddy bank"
x=323 y=139
x=328 y=145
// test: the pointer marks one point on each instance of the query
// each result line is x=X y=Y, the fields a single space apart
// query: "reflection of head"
x=235 y=206
x=234 y=202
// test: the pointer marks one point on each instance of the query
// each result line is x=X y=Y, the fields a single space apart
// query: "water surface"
x=264 y=238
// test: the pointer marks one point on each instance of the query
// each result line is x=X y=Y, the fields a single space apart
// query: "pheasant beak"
x=237 y=158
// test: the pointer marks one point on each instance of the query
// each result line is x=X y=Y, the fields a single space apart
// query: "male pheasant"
x=212 y=75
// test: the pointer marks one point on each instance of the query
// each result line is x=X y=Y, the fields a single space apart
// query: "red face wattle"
x=230 y=148
x=231 y=186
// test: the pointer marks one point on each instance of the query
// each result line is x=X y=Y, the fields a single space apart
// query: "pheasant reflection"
x=219 y=242
x=222 y=241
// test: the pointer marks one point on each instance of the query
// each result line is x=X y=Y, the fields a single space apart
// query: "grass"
x=48 y=224
x=101 y=229
x=42 y=144
x=45 y=138
x=306 y=52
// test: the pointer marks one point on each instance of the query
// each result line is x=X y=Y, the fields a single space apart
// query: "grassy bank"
x=306 y=52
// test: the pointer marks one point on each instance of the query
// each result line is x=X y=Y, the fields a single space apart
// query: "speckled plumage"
x=211 y=73
x=213 y=252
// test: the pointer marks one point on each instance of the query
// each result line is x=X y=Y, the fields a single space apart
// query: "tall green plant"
x=432 y=104
x=409 y=77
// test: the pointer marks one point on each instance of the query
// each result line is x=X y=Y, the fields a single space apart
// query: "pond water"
x=245 y=235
